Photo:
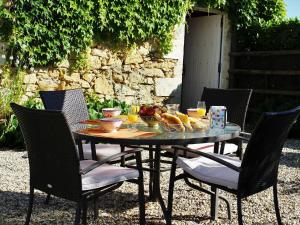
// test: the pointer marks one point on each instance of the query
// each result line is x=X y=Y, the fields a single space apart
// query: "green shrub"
x=271 y=35
x=95 y=106
x=10 y=133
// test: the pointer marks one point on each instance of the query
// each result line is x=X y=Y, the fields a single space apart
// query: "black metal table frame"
x=155 y=168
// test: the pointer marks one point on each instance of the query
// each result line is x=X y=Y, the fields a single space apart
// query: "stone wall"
x=109 y=74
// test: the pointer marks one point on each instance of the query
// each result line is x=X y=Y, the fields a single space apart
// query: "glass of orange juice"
x=201 y=108
x=133 y=115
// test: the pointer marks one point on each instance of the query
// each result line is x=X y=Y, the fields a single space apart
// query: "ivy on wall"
x=46 y=32
x=42 y=33
x=132 y=22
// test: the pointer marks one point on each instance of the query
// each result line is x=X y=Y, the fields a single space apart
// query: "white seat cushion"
x=102 y=150
x=210 y=171
x=209 y=148
x=105 y=175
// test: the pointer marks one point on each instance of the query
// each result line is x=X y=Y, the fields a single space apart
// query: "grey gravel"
x=120 y=207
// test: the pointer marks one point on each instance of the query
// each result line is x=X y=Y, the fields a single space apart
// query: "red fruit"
x=143 y=110
x=150 y=111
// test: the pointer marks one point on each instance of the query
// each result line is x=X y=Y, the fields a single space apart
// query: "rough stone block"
x=47 y=85
x=134 y=58
x=102 y=86
x=85 y=84
x=118 y=78
x=95 y=62
x=167 y=86
x=122 y=90
x=99 y=52
x=154 y=72
x=30 y=78
x=75 y=77
x=88 y=77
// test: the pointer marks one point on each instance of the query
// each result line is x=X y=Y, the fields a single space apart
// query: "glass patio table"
x=155 y=138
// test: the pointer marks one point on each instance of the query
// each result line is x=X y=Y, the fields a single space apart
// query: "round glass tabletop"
x=161 y=137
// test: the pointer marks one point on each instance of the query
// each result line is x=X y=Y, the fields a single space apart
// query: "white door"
x=201 y=57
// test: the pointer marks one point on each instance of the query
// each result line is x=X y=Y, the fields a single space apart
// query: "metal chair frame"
x=54 y=162
x=259 y=168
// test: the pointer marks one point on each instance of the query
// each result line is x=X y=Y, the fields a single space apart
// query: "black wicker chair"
x=236 y=102
x=256 y=172
x=73 y=104
x=55 y=167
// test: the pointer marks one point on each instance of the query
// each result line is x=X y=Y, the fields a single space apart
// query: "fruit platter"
x=149 y=114
x=154 y=115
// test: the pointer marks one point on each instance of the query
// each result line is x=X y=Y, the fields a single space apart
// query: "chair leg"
x=276 y=204
x=84 y=211
x=239 y=209
x=78 y=213
x=29 y=211
x=47 y=199
x=95 y=206
x=171 y=192
x=141 y=193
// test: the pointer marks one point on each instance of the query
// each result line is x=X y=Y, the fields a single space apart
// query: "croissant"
x=198 y=124
x=185 y=120
x=172 y=121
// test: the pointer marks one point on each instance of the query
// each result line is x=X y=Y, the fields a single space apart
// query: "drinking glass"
x=172 y=108
x=201 y=108
x=133 y=113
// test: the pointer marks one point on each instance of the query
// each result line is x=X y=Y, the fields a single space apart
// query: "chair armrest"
x=209 y=156
x=110 y=158
x=245 y=136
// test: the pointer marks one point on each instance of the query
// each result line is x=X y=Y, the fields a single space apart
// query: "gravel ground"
x=121 y=207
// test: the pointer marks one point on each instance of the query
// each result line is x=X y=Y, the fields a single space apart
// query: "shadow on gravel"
x=290 y=187
x=13 y=207
x=293 y=144
x=290 y=159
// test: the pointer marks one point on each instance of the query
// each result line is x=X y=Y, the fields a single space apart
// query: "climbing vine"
x=45 y=32
x=42 y=33
x=134 y=21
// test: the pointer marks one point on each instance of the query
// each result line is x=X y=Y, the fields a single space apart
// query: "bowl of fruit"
x=148 y=114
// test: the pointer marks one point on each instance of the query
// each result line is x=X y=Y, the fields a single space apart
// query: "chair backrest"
x=71 y=102
x=53 y=158
x=261 y=159
x=235 y=100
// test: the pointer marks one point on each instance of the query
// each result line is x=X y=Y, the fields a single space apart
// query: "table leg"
x=80 y=149
x=93 y=149
x=122 y=157
x=214 y=198
x=156 y=174
x=151 y=173
x=156 y=181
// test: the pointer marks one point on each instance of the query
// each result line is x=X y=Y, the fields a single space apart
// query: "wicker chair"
x=55 y=167
x=256 y=172
x=73 y=104
x=236 y=102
